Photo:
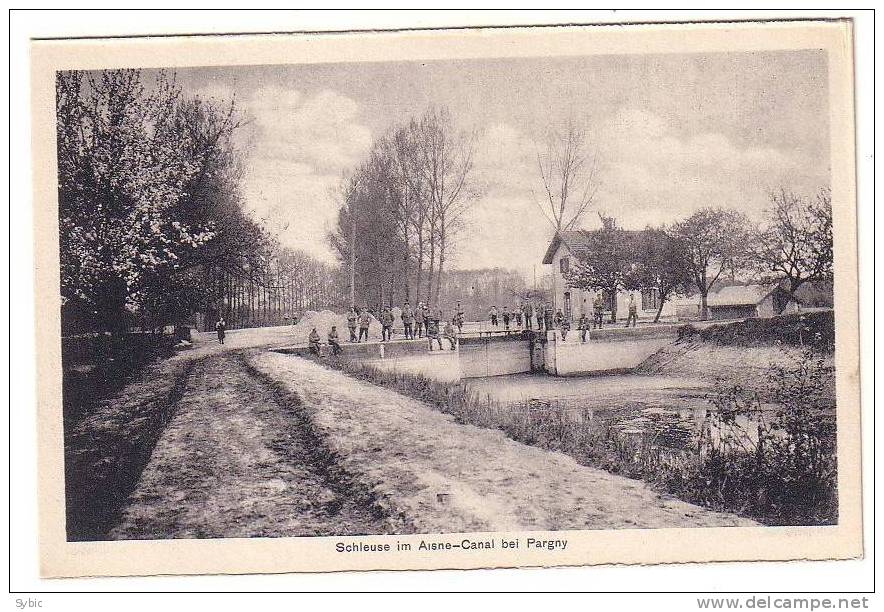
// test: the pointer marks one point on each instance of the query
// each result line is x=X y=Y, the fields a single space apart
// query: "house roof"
x=741 y=295
x=575 y=240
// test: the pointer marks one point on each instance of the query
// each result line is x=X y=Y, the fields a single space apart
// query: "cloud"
x=652 y=175
x=300 y=147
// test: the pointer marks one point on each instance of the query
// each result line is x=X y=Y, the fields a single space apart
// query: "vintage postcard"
x=447 y=299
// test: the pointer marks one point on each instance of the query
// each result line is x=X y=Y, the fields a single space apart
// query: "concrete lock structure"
x=606 y=351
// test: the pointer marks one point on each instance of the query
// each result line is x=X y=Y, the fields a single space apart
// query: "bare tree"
x=796 y=241
x=446 y=163
x=569 y=171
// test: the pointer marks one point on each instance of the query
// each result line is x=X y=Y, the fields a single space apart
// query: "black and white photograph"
x=448 y=298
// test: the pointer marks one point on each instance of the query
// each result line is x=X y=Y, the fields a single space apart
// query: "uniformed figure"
x=364 y=322
x=408 y=321
x=548 y=321
x=527 y=313
x=333 y=340
x=449 y=334
x=313 y=339
x=433 y=332
x=221 y=329
x=633 y=312
x=517 y=316
x=564 y=324
x=458 y=318
x=598 y=311
x=386 y=324
x=583 y=325
x=506 y=319
x=352 y=318
x=493 y=316
x=420 y=318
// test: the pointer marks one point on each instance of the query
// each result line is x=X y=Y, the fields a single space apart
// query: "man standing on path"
x=506 y=319
x=333 y=340
x=598 y=311
x=583 y=325
x=364 y=322
x=420 y=317
x=408 y=321
x=458 y=318
x=633 y=312
x=527 y=313
x=221 y=328
x=386 y=325
x=493 y=316
x=538 y=314
x=352 y=317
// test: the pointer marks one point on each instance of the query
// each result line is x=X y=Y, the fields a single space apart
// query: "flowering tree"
x=122 y=171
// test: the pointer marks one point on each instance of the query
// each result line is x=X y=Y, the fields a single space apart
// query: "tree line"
x=792 y=245
x=152 y=224
x=403 y=209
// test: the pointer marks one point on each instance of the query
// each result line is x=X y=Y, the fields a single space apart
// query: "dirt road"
x=237 y=461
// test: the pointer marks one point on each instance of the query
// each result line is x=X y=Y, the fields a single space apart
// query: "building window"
x=564 y=265
x=650 y=298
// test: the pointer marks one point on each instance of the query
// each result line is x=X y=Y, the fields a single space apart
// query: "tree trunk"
x=704 y=308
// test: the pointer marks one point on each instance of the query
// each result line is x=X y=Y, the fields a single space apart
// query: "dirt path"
x=235 y=461
x=448 y=477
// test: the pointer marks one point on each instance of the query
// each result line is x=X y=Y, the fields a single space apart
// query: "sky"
x=672 y=134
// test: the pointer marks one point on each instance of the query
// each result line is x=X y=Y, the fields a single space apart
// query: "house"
x=563 y=251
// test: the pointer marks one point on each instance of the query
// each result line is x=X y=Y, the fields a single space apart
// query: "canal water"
x=677 y=407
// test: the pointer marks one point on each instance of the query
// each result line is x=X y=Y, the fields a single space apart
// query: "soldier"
x=633 y=311
x=538 y=314
x=458 y=318
x=333 y=340
x=548 y=317
x=583 y=325
x=565 y=325
x=493 y=315
x=221 y=328
x=449 y=333
x=408 y=321
x=352 y=317
x=364 y=322
x=506 y=319
x=527 y=313
x=386 y=324
x=598 y=311
x=517 y=316
x=420 y=318
x=313 y=339
x=433 y=332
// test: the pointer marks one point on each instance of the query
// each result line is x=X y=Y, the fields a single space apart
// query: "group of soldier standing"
x=419 y=322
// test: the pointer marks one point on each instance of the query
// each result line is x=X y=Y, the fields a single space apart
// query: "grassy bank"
x=780 y=470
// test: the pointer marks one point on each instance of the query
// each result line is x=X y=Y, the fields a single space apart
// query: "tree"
x=568 y=170
x=662 y=263
x=446 y=161
x=607 y=263
x=716 y=240
x=122 y=172
x=796 y=241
